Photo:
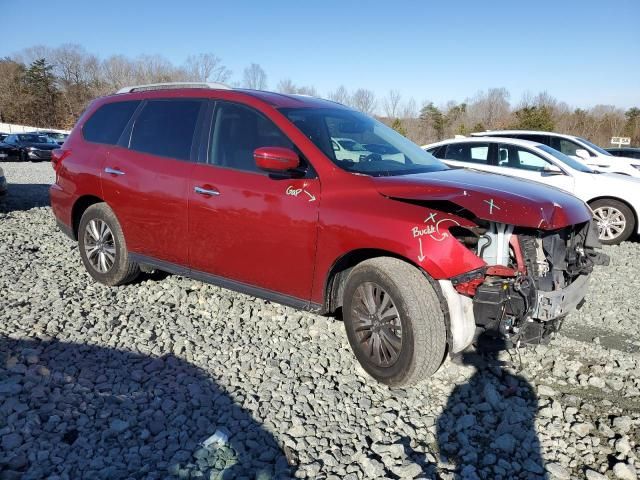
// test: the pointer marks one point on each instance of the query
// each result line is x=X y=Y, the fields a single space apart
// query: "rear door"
x=145 y=179
x=244 y=224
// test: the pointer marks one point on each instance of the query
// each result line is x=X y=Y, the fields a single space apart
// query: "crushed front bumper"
x=551 y=305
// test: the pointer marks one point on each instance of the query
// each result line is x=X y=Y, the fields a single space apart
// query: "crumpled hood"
x=491 y=197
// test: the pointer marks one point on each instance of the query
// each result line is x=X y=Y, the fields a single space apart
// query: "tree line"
x=50 y=87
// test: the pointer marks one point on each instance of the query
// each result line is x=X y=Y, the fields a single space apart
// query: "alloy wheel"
x=377 y=324
x=99 y=245
x=611 y=222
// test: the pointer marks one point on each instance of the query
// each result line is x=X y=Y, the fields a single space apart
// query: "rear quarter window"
x=107 y=123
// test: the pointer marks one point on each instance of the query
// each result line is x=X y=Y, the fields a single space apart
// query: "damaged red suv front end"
x=528 y=251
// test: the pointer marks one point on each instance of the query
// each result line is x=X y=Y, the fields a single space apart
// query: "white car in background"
x=614 y=199
x=348 y=149
x=575 y=147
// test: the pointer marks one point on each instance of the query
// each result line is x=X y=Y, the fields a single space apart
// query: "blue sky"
x=583 y=52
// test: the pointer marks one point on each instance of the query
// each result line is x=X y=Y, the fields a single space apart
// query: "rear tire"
x=411 y=340
x=103 y=248
x=615 y=220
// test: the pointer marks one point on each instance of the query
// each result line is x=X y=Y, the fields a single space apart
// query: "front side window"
x=166 y=128
x=377 y=149
x=237 y=132
x=107 y=123
x=468 y=152
x=517 y=157
x=567 y=147
x=595 y=147
x=567 y=160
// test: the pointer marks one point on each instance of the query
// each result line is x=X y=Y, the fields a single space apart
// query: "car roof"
x=520 y=132
x=511 y=141
x=623 y=149
x=276 y=100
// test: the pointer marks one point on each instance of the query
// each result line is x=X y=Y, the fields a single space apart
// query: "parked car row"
x=255 y=191
x=576 y=147
x=34 y=146
x=613 y=197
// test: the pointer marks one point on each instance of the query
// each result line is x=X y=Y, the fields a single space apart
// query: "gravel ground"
x=127 y=382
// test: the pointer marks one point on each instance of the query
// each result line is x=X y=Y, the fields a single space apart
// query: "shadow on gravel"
x=24 y=196
x=487 y=428
x=79 y=411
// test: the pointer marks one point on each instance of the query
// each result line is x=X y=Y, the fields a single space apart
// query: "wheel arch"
x=78 y=209
x=336 y=279
x=617 y=199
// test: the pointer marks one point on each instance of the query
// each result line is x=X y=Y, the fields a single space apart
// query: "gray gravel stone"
x=624 y=471
x=126 y=382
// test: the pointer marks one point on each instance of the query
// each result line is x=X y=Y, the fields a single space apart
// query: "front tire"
x=394 y=321
x=103 y=248
x=615 y=220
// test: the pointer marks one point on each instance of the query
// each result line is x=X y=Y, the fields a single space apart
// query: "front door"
x=244 y=224
x=521 y=162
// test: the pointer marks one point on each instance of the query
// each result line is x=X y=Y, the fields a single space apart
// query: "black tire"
x=423 y=330
x=122 y=270
x=609 y=204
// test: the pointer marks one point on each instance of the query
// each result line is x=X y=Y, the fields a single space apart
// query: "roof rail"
x=170 y=85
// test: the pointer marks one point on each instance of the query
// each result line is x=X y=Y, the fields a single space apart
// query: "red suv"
x=308 y=203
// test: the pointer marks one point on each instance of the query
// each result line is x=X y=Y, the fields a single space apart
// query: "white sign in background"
x=619 y=141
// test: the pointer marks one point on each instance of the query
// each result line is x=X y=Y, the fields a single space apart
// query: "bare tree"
x=490 y=109
x=255 y=77
x=364 y=100
x=340 y=95
x=409 y=109
x=206 y=67
x=307 y=90
x=286 y=85
x=392 y=103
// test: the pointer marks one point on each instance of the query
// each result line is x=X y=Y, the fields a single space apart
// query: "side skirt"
x=227 y=283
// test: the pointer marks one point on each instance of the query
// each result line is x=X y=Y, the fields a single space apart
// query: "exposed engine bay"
x=532 y=278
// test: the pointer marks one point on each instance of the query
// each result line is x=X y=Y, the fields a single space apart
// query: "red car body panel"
x=258 y=231
x=285 y=235
x=491 y=197
x=151 y=200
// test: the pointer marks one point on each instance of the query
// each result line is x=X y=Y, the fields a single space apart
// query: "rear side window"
x=166 y=128
x=438 y=152
x=544 y=139
x=468 y=152
x=108 y=122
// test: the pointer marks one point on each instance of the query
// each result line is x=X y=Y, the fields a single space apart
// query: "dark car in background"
x=629 y=152
x=57 y=137
x=8 y=152
x=31 y=146
x=3 y=136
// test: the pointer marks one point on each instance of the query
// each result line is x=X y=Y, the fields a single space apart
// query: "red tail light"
x=57 y=156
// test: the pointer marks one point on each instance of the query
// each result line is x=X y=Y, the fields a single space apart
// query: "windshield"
x=35 y=139
x=395 y=154
x=601 y=151
x=57 y=136
x=566 y=159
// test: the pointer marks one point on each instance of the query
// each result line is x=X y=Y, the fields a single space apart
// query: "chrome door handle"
x=113 y=171
x=204 y=191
